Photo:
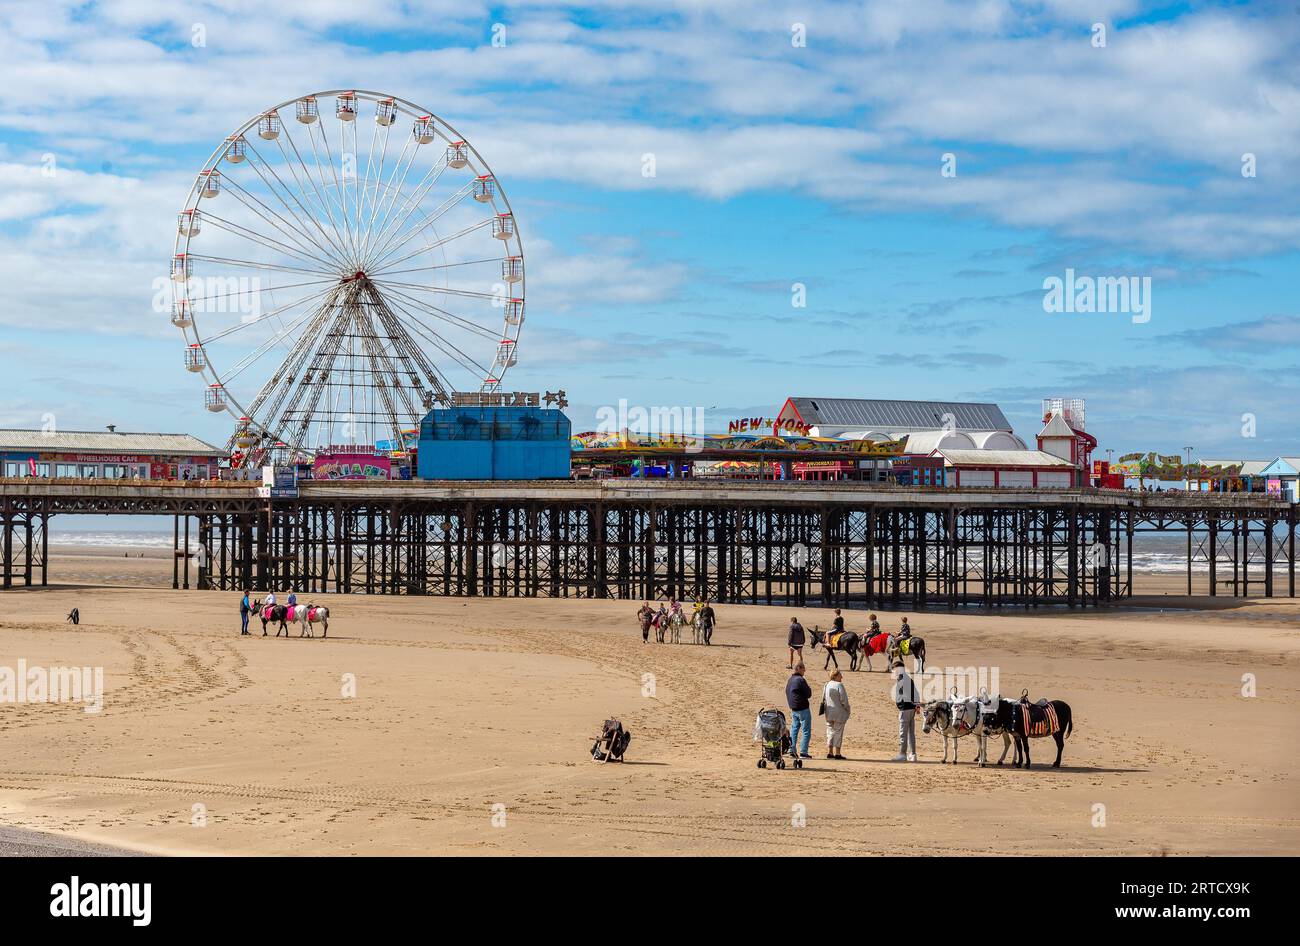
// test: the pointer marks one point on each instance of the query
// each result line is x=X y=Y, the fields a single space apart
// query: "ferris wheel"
x=344 y=262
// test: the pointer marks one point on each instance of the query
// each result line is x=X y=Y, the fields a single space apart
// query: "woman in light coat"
x=836 y=699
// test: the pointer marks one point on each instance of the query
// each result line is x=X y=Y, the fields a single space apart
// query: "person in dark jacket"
x=797 y=694
x=906 y=699
x=708 y=621
x=838 y=624
x=795 y=641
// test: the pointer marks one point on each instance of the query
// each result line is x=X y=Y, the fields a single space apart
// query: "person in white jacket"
x=836 y=699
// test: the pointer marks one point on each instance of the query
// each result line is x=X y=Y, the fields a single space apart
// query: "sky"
x=847 y=199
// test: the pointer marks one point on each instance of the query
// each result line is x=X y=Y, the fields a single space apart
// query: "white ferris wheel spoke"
x=412 y=200
x=278 y=310
x=256 y=237
x=398 y=238
x=319 y=185
x=253 y=264
x=453 y=351
x=276 y=220
x=338 y=185
x=440 y=290
x=449 y=317
x=365 y=181
x=293 y=220
x=380 y=269
x=334 y=249
x=377 y=200
x=447 y=348
x=256 y=354
x=438 y=267
x=243 y=292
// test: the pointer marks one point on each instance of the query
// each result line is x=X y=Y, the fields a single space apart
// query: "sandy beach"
x=471 y=721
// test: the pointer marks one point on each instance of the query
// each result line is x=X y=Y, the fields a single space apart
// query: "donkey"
x=897 y=647
x=676 y=621
x=846 y=641
x=702 y=628
x=876 y=643
x=315 y=614
x=1025 y=721
x=272 y=613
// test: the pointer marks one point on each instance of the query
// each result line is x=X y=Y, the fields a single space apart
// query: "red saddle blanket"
x=1040 y=720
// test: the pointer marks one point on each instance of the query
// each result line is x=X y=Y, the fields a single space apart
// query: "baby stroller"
x=611 y=742
x=771 y=730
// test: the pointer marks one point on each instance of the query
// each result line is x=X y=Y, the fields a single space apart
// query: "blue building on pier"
x=494 y=443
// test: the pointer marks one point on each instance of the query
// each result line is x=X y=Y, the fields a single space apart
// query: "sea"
x=1152 y=553
x=108 y=539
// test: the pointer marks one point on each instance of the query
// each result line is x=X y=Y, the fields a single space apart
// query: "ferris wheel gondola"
x=345 y=276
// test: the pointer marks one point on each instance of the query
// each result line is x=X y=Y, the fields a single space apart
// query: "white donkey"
x=314 y=614
x=956 y=717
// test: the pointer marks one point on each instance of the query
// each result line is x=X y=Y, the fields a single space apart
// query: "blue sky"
x=775 y=164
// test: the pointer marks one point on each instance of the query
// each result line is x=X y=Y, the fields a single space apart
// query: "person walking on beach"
x=797 y=694
x=836 y=700
x=795 y=641
x=646 y=616
x=245 y=608
x=905 y=698
x=708 y=620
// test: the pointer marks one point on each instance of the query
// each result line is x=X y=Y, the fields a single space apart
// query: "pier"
x=740 y=542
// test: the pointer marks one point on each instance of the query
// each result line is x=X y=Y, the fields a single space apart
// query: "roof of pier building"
x=927 y=425
x=104 y=441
